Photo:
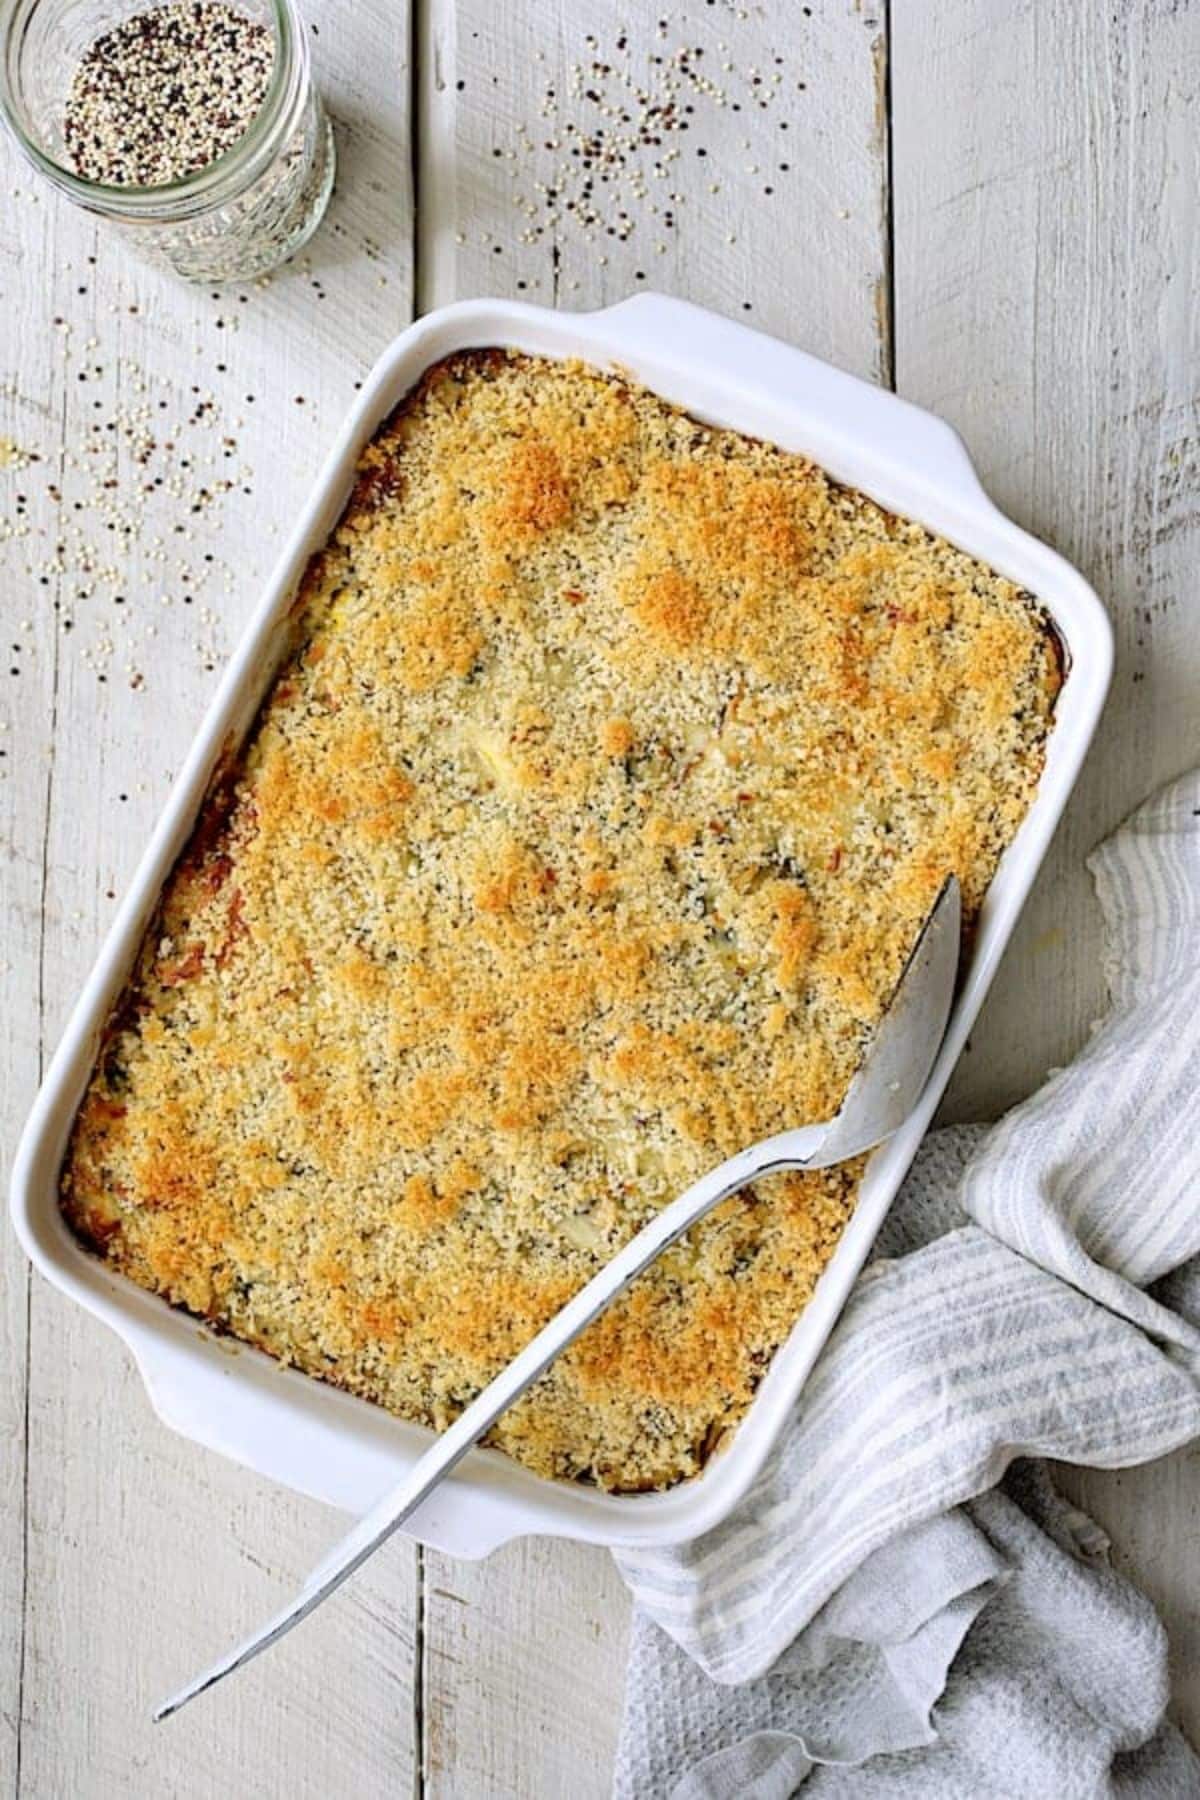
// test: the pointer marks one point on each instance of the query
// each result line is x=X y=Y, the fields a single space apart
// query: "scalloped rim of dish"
x=345 y=1451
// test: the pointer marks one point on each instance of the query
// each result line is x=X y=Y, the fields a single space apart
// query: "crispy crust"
x=579 y=842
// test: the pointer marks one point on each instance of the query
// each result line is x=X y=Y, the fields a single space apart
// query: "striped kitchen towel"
x=1033 y=1294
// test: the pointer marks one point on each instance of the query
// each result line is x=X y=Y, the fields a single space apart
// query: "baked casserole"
x=579 y=841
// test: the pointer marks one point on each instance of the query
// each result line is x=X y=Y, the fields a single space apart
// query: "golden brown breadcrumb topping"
x=579 y=842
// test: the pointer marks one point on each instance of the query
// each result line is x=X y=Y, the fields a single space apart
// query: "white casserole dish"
x=343 y=1450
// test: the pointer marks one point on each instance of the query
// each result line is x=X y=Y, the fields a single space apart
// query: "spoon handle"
x=791 y=1150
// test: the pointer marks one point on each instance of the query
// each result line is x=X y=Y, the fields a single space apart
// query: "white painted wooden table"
x=991 y=204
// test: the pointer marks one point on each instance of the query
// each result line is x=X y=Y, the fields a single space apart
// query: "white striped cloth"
x=1010 y=1311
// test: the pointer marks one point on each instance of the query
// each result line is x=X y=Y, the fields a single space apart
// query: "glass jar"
x=238 y=216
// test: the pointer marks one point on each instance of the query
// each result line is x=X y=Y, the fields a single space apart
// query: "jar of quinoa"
x=194 y=125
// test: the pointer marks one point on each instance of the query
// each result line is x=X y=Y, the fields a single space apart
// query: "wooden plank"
x=1047 y=255
x=1047 y=248
x=27 y=704
x=144 y=1553
x=524 y=1669
x=1152 y=1515
x=723 y=154
x=523 y=1675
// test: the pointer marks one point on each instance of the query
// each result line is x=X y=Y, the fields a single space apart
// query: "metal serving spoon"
x=878 y=1100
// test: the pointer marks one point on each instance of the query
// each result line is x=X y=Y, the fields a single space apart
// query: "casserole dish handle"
x=213 y=1405
x=188 y=1393
x=675 y=331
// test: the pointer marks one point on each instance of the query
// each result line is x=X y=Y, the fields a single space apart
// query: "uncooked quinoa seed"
x=165 y=93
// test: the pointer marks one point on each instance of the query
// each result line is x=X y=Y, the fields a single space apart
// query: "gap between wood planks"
x=883 y=122
x=418 y=1677
x=420 y=60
